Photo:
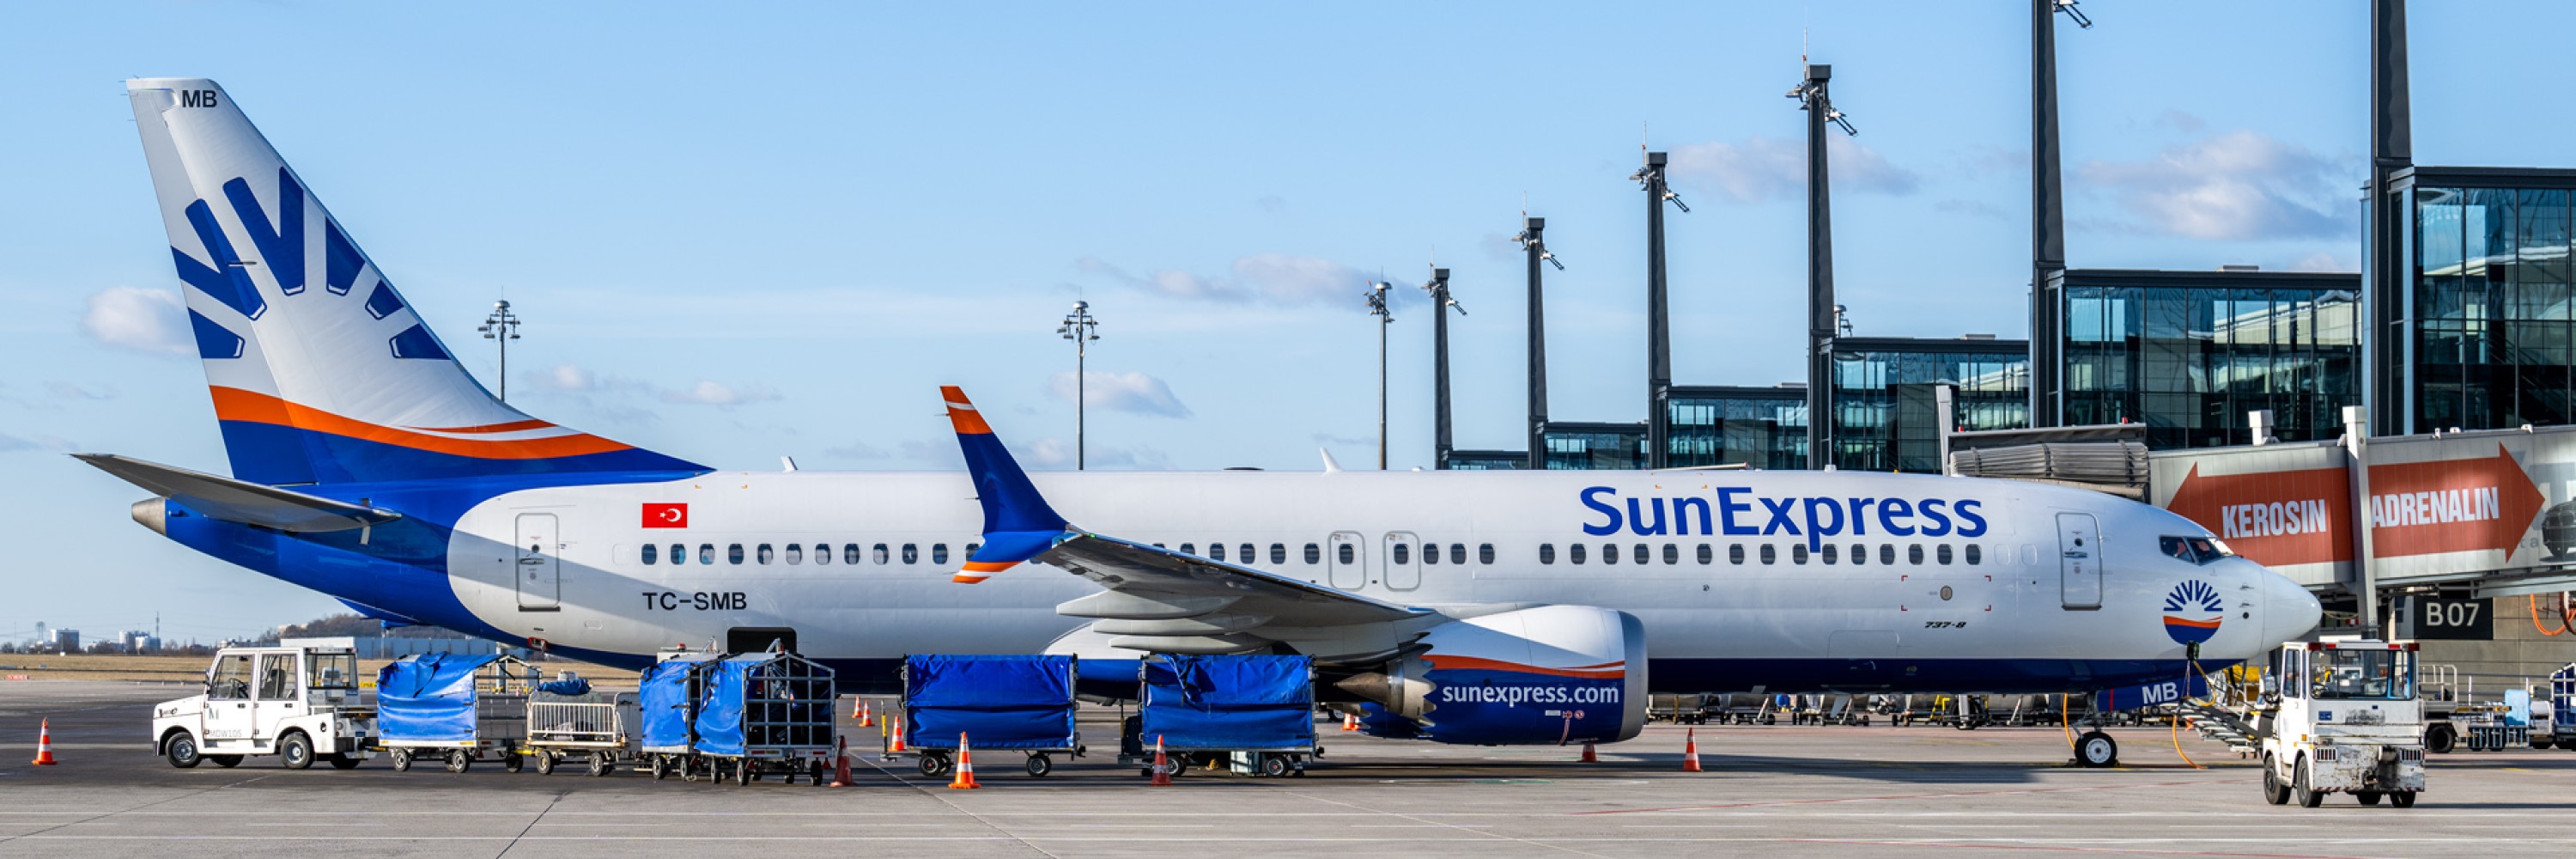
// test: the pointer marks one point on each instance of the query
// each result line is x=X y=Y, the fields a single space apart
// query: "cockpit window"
x=2197 y=550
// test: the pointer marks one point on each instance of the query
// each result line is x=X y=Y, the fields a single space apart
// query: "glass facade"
x=1595 y=447
x=1716 y=425
x=2188 y=354
x=2488 y=308
x=1487 y=460
x=1886 y=416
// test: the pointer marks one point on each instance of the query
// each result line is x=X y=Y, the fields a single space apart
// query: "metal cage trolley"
x=1008 y=703
x=767 y=713
x=569 y=722
x=1255 y=711
x=460 y=707
x=667 y=698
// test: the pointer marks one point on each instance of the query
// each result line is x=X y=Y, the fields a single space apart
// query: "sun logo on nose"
x=2193 y=612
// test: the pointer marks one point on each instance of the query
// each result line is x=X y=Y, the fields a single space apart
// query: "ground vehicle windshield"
x=2361 y=674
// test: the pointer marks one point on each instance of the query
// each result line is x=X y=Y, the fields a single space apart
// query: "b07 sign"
x=2452 y=619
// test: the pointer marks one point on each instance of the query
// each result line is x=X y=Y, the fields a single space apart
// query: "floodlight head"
x=2068 y=7
x=1550 y=256
x=1081 y=305
x=1676 y=200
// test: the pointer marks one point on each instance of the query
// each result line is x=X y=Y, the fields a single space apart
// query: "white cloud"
x=144 y=320
x=1272 y=278
x=711 y=393
x=1123 y=392
x=1059 y=453
x=2239 y=185
x=1762 y=169
x=582 y=383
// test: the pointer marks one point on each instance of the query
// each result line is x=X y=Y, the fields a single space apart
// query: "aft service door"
x=1347 y=557
x=540 y=576
x=1403 y=561
x=2079 y=564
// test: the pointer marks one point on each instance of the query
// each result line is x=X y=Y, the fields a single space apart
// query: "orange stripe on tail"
x=962 y=413
x=235 y=404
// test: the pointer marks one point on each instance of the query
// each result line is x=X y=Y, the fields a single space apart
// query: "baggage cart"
x=1255 y=711
x=455 y=707
x=567 y=722
x=767 y=713
x=1015 y=703
x=667 y=697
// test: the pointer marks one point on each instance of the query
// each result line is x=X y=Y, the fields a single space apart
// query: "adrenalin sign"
x=1736 y=511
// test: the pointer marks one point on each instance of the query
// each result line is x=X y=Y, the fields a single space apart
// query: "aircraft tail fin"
x=1018 y=523
x=320 y=371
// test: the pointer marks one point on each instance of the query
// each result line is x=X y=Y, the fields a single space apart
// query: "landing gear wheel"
x=2274 y=792
x=402 y=760
x=2095 y=749
x=600 y=765
x=183 y=752
x=460 y=760
x=225 y=761
x=2306 y=796
x=514 y=762
x=2441 y=739
x=2402 y=799
x=345 y=762
x=2367 y=797
x=545 y=765
x=295 y=750
x=1040 y=765
x=1274 y=766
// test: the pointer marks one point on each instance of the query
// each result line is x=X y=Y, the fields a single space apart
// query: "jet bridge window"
x=911 y=554
x=1485 y=553
x=1279 y=554
x=733 y=553
x=939 y=553
x=1547 y=553
x=765 y=554
x=651 y=553
x=1314 y=554
x=882 y=556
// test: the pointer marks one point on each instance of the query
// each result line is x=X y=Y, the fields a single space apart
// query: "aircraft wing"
x=228 y=500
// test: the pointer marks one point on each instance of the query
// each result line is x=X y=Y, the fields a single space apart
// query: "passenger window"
x=1672 y=554
x=882 y=557
x=1244 y=553
x=1278 y=554
x=822 y=553
x=795 y=554
x=733 y=553
x=1914 y=554
x=1974 y=555
x=1770 y=554
x=1314 y=554
x=1887 y=554
x=1798 y=553
x=1402 y=553
x=1735 y=553
x=1431 y=554
x=939 y=553
x=1346 y=554
x=1574 y=553
x=1609 y=553
x=1216 y=551
x=231 y=679
x=650 y=551
x=850 y=554
x=679 y=553
x=1642 y=555
x=911 y=553
x=766 y=554
x=970 y=550
x=1457 y=553
x=1707 y=555
x=276 y=677
x=706 y=553
x=1547 y=553
x=1828 y=554
x=1484 y=553
x=1942 y=552
x=1859 y=553
x=1189 y=548
x=2029 y=554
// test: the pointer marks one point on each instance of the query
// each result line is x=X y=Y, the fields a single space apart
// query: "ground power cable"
x=2564 y=618
x=2191 y=669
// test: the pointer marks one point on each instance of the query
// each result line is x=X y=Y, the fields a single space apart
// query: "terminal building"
x=2189 y=353
x=2478 y=317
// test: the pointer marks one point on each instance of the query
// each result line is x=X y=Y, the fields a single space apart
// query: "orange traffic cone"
x=1350 y=721
x=898 y=735
x=45 y=743
x=841 y=764
x=1690 y=751
x=867 y=715
x=1588 y=756
x=965 y=767
x=1162 y=765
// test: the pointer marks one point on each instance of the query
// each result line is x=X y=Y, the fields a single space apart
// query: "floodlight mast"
x=1533 y=241
x=1441 y=304
x=1376 y=298
x=2047 y=210
x=1659 y=340
x=1081 y=328
x=1814 y=97
x=502 y=327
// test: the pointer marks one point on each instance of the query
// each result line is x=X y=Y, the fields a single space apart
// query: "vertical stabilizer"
x=320 y=371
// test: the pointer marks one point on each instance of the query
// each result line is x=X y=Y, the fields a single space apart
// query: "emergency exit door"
x=2079 y=561
x=539 y=574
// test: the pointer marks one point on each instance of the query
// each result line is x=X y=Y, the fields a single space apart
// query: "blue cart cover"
x=720 y=707
x=999 y=702
x=428 y=697
x=1229 y=702
x=662 y=697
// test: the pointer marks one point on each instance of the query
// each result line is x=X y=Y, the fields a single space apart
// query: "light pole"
x=502 y=327
x=1441 y=304
x=1376 y=297
x=1813 y=97
x=1080 y=328
x=1659 y=341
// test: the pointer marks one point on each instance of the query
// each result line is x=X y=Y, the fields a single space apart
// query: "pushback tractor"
x=298 y=703
x=2349 y=722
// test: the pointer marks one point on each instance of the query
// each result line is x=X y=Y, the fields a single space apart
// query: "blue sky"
x=745 y=232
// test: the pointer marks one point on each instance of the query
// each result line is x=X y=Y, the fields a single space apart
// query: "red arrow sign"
x=2283 y=518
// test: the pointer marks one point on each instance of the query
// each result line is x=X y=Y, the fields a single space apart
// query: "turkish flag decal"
x=666 y=515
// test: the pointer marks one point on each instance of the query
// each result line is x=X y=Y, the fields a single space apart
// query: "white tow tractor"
x=299 y=703
x=2349 y=722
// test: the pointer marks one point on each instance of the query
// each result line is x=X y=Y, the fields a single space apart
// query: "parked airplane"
x=1465 y=607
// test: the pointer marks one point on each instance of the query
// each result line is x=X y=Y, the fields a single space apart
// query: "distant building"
x=1577 y=446
x=67 y=640
x=2189 y=353
x=1487 y=460
x=1726 y=425
x=1886 y=414
x=2479 y=323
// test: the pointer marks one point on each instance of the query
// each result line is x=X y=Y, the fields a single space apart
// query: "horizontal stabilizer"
x=229 y=500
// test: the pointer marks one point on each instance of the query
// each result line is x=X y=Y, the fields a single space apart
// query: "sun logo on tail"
x=2193 y=612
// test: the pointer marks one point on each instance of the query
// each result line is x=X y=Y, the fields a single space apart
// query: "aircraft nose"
x=2290 y=612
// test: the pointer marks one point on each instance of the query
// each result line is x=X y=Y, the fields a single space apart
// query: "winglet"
x=1018 y=524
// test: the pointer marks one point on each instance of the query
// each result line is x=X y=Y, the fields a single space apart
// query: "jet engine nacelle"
x=1552 y=674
